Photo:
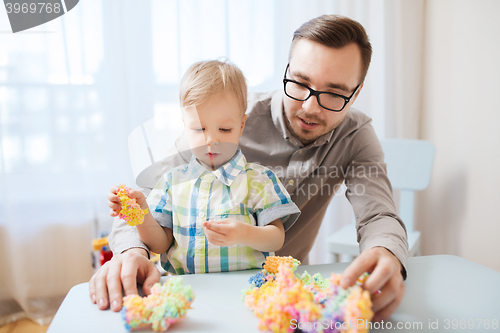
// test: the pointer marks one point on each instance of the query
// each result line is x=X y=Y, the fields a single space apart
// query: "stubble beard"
x=303 y=140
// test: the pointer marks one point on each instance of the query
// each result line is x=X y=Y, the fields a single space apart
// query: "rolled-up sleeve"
x=160 y=201
x=272 y=201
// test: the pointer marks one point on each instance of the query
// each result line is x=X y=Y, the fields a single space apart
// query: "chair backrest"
x=409 y=167
x=149 y=143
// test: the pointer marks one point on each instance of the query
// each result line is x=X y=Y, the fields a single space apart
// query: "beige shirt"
x=311 y=174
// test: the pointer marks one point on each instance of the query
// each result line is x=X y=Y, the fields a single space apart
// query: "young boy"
x=218 y=212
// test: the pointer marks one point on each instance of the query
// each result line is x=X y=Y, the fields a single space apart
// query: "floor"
x=23 y=326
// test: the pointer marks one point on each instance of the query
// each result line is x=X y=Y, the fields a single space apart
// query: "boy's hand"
x=225 y=232
x=114 y=200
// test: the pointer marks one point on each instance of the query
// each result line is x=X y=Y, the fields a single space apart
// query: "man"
x=312 y=140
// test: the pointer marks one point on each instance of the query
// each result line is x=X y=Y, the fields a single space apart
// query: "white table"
x=439 y=290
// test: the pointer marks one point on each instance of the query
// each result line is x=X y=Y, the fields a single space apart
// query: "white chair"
x=148 y=144
x=409 y=167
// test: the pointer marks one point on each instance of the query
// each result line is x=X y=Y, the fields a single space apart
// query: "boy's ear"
x=243 y=122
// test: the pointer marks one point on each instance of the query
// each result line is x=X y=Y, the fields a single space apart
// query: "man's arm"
x=122 y=237
x=381 y=233
x=129 y=266
x=370 y=193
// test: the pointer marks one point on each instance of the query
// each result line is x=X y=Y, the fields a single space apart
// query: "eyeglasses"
x=327 y=100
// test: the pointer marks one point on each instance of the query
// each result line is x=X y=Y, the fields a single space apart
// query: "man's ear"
x=357 y=93
x=243 y=122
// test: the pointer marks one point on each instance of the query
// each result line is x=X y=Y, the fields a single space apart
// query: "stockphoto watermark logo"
x=26 y=14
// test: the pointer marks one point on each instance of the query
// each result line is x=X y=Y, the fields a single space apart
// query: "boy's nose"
x=212 y=146
x=211 y=138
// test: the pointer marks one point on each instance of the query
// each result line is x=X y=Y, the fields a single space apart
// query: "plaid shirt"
x=190 y=194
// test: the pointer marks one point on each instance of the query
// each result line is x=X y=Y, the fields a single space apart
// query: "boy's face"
x=213 y=129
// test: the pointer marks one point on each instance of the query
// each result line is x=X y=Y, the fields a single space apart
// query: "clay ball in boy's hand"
x=130 y=211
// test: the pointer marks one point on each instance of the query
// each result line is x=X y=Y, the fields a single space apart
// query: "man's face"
x=321 y=68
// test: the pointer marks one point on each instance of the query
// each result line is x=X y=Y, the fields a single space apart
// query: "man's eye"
x=225 y=130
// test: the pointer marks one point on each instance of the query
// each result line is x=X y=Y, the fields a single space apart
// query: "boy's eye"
x=226 y=130
x=198 y=129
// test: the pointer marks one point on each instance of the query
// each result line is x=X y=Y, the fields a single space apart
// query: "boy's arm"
x=157 y=238
x=269 y=238
x=227 y=232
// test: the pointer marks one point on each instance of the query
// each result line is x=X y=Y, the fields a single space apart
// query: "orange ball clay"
x=273 y=262
x=131 y=212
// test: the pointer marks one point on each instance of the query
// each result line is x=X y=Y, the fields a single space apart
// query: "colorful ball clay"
x=167 y=304
x=281 y=299
x=131 y=211
x=272 y=263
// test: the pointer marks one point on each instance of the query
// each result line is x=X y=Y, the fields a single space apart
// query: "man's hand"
x=385 y=276
x=127 y=270
x=225 y=232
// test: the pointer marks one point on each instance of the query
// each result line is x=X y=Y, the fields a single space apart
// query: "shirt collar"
x=195 y=169
x=277 y=113
x=325 y=138
x=279 y=120
x=225 y=173
x=228 y=172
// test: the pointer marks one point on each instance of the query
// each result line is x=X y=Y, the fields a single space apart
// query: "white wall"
x=459 y=213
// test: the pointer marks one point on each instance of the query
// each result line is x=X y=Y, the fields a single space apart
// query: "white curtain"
x=73 y=89
x=65 y=113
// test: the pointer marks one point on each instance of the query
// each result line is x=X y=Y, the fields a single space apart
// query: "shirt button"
x=300 y=151
x=205 y=185
x=291 y=182
x=199 y=246
x=201 y=214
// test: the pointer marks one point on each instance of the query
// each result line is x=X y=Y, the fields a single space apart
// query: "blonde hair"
x=208 y=79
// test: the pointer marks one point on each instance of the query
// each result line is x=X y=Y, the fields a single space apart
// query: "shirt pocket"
x=241 y=212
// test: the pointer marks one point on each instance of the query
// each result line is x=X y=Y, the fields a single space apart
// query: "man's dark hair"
x=336 y=31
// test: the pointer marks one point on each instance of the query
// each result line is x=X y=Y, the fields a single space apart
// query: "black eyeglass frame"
x=316 y=93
